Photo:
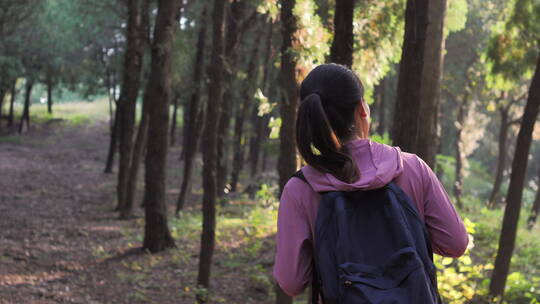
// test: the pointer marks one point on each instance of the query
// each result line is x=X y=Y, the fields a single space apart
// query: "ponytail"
x=318 y=143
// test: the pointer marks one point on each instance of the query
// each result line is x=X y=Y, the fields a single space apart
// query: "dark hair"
x=330 y=96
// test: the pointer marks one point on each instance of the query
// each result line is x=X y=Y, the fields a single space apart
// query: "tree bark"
x=501 y=159
x=515 y=190
x=289 y=95
x=238 y=151
x=142 y=131
x=458 y=184
x=209 y=140
x=341 y=50
x=259 y=122
x=288 y=106
x=234 y=34
x=531 y=221
x=112 y=144
x=138 y=148
x=133 y=60
x=381 y=126
x=173 y=122
x=49 y=94
x=407 y=110
x=430 y=90
x=11 y=104
x=25 y=118
x=3 y=92
x=157 y=236
x=195 y=118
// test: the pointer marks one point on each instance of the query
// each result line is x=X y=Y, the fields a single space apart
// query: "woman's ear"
x=364 y=109
x=363 y=119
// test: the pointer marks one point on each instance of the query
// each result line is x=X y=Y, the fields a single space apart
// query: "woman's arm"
x=447 y=231
x=292 y=267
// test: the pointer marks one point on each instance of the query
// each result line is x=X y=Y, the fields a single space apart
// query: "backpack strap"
x=300 y=175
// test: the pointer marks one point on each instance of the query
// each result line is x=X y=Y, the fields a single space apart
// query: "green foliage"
x=514 y=48
x=378 y=31
x=382 y=139
x=312 y=39
x=456 y=15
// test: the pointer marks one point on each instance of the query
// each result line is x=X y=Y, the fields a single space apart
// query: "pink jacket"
x=379 y=164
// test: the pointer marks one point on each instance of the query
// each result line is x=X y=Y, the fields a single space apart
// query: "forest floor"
x=61 y=242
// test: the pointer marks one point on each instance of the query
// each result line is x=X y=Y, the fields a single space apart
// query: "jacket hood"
x=379 y=164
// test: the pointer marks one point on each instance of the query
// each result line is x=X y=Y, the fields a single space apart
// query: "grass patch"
x=75 y=113
x=11 y=139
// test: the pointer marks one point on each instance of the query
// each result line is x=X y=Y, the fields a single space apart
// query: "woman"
x=332 y=137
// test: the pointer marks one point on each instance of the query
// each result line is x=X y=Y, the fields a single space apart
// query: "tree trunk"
x=430 y=91
x=25 y=118
x=3 y=92
x=11 y=104
x=458 y=184
x=209 y=151
x=173 y=122
x=289 y=95
x=531 y=221
x=223 y=141
x=157 y=236
x=185 y=187
x=258 y=122
x=138 y=149
x=381 y=126
x=405 y=129
x=241 y=114
x=288 y=106
x=195 y=118
x=515 y=190
x=112 y=144
x=49 y=94
x=133 y=60
x=501 y=159
x=341 y=50
x=234 y=32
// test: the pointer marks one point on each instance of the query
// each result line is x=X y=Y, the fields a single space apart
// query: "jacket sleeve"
x=447 y=231
x=292 y=267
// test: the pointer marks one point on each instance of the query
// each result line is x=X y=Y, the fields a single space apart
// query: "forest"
x=144 y=144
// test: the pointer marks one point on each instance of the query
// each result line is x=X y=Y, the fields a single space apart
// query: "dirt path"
x=60 y=242
x=55 y=207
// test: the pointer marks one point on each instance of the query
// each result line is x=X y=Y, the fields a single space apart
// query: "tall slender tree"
x=113 y=146
x=514 y=196
x=157 y=236
x=142 y=130
x=535 y=209
x=209 y=140
x=407 y=109
x=430 y=90
x=25 y=118
x=195 y=117
x=241 y=113
x=236 y=26
x=11 y=103
x=342 y=45
x=463 y=109
x=133 y=61
x=506 y=123
x=261 y=123
x=287 y=162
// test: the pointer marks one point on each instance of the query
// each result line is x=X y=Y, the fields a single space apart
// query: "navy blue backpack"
x=372 y=247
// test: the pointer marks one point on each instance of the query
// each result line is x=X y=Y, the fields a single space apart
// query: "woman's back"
x=379 y=164
x=332 y=128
